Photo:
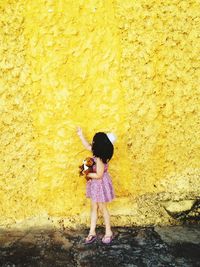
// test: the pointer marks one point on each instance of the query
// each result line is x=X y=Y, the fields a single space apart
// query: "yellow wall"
x=131 y=67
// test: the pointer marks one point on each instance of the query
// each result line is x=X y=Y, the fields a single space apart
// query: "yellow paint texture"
x=130 y=67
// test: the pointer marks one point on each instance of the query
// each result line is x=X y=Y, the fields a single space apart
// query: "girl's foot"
x=107 y=239
x=90 y=238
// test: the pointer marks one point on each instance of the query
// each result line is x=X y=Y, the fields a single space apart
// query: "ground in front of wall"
x=132 y=246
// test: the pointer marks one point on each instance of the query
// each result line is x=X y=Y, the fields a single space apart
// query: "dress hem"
x=101 y=201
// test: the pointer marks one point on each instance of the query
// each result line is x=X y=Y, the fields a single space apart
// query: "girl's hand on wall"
x=79 y=131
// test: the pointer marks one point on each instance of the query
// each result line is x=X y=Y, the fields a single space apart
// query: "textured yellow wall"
x=131 y=67
x=160 y=62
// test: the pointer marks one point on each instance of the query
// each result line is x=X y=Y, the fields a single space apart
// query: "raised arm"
x=83 y=140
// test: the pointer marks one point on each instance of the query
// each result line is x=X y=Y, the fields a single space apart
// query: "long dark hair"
x=102 y=147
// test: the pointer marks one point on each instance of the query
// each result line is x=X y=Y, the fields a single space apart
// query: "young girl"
x=99 y=188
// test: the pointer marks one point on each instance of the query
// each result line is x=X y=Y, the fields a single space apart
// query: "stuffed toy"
x=86 y=167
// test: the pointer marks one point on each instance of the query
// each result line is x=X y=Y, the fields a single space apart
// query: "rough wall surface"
x=131 y=67
x=18 y=154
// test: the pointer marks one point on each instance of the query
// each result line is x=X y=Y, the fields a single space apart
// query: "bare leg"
x=106 y=216
x=93 y=220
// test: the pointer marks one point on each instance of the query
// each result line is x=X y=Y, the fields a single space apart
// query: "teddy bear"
x=86 y=167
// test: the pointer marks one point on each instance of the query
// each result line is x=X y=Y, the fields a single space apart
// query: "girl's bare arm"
x=83 y=140
x=99 y=170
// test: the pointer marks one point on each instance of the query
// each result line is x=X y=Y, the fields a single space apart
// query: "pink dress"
x=100 y=190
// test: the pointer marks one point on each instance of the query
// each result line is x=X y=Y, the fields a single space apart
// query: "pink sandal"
x=94 y=237
x=107 y=239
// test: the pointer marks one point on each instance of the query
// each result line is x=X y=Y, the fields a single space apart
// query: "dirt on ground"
x=177 y=246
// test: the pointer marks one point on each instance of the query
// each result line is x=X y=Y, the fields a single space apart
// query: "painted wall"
x=130 y=67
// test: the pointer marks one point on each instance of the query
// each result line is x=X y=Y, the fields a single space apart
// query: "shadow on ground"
x=131 y=247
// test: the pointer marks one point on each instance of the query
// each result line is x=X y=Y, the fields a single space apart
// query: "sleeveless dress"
x=100 y=190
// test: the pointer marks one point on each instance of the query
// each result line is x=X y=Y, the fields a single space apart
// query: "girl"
x=99 y=188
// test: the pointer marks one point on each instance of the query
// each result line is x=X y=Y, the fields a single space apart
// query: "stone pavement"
x=150 y=246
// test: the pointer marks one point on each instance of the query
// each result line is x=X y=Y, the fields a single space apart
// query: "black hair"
x=102 y=147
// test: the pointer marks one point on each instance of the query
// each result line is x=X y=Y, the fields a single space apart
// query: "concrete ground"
x=151 y=246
